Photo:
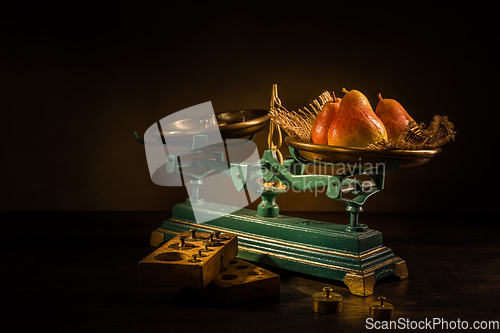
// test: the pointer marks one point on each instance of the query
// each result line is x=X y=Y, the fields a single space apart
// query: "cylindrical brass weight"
x=381 y=310
x=327 y=301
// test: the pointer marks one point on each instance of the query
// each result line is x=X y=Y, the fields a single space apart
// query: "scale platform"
x=348 y=252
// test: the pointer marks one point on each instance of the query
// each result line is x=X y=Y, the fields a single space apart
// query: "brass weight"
x=182 y=245
x=381 y=310
x=327 y=301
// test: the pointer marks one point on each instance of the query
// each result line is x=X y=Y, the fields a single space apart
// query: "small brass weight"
x=381 y=310
x=327 y=301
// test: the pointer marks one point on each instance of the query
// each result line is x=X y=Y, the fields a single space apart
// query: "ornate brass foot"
x=401 y=270
x=157 y=238
x=360 y=285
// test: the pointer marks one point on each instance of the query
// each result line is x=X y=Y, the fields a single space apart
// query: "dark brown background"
x=78 y=81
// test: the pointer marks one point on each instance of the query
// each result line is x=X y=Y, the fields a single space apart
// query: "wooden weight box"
x=189 y=259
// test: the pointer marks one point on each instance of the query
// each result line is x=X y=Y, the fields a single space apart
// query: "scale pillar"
x=354 y=210
x=195 y=194
x=268 y=206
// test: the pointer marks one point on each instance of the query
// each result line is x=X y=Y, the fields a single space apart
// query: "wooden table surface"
x=78 y=272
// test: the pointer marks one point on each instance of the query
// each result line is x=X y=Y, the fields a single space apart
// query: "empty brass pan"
x=240 y=123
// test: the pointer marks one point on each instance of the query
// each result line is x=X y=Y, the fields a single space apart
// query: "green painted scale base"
x=323 y=249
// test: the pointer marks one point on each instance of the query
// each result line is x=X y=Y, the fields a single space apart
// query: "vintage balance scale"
x=352 y=253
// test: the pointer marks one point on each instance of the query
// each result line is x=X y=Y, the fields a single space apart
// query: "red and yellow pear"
x=355 y=124
x=393 y=116
x=319 y=131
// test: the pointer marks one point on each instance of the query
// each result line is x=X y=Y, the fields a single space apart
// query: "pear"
x=393 y=116
x=355 y=124
x=319 y=130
